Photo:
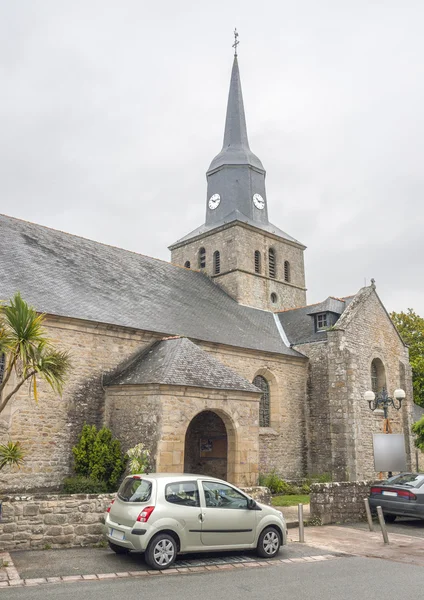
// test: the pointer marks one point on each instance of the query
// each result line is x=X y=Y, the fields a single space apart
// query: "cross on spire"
x=236 y=42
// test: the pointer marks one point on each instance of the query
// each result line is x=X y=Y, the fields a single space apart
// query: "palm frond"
x=11 y=454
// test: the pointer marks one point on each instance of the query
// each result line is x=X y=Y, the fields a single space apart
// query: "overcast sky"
x=111 y=111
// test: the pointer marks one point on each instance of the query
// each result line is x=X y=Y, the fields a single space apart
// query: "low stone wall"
x=341 y=502
x=52 y=521
x=57 y=521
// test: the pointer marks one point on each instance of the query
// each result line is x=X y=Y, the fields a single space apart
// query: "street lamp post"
x=382 y=401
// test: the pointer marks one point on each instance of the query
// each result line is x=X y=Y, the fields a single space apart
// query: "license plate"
x=389 y=493
x=118 y=535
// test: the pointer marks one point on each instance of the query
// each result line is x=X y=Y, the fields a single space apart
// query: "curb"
x=14 y=580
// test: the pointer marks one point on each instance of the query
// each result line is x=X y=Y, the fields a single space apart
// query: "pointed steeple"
x=235 y=149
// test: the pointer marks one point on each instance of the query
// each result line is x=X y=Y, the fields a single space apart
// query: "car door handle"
x=201 y=517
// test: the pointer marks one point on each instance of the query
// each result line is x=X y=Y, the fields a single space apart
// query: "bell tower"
x=252 y=260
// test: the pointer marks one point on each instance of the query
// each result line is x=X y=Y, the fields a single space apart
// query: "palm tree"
x=27 y=351
x=11 y=454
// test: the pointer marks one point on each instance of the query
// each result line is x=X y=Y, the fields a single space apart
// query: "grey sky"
x=110 y=113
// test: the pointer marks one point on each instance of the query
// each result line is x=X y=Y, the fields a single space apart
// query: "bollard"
x=369 y=517
x=301 y=526
x=382 y=524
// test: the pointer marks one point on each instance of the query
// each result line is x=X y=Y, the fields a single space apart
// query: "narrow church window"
x=202 y=258
x=216 y=262
x=257 y=261
x=2 y=366
x=264 y=403
x=286 y=270
x=378 y=376
x=274 y=298
x=187 y=264
x=271 y=262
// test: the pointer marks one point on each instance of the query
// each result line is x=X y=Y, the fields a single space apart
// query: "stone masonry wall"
x=236 y=245
x=48 y=429
x=367 y=335
x=317 y=413
x=37 y=522
x=341 y=502
x=282 y=445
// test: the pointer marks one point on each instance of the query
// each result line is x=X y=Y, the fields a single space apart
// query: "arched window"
x=2 y=366
x=264 y=403
x=187 y=264
x=378 y=376
x=271 y=263
x=257 y=261
x=286 y=270
x=216 y=262
x=202 y=258
x=274 y=298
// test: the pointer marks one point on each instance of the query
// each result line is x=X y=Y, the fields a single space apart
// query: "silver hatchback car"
x=164 y=515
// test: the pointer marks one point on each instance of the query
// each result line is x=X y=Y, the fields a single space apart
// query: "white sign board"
x=389 y=452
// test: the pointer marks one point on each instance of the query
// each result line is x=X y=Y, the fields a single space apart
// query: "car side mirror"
x=251 y=504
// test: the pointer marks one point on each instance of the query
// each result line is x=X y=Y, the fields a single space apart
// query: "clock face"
x=214 y=201
x=258 y=201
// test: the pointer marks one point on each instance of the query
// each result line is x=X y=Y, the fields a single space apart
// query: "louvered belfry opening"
x=202 y=258
x=287 y=270
x=257 y=261
x=271 y=262
x=264 y=403
x=216 y=262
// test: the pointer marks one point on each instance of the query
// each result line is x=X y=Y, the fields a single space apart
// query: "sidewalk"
x=402 y=548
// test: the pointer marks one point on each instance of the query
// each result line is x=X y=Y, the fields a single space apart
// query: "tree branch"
x=4 y=402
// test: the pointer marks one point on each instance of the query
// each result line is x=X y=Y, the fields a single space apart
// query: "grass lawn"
x=290 y=500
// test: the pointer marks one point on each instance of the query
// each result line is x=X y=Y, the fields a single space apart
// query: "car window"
x=219 y=495
x=185 y=493
x=134 y=489
x=415 y=480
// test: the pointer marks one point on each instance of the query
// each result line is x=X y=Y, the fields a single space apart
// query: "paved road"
x=403 y=525
x=344 y=579
x=83 y=561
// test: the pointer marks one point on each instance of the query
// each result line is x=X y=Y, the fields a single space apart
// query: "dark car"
x=399 y=496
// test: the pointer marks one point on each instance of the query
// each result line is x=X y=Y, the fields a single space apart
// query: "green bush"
x=98 y=456
x=278 y=486
x=84 y=485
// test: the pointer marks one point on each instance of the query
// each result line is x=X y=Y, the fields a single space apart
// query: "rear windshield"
x=415 y=480
x=135 y=490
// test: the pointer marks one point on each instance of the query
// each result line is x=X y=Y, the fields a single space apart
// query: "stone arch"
x=274 y=395
x=378 y=375
x=216 y=428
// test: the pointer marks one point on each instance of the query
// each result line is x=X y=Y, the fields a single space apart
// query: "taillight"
x=406 y=494
x=376 y=490
x=110 y=505
x=143 y=517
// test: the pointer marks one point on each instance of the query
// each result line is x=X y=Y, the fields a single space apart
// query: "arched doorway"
x=206 y=446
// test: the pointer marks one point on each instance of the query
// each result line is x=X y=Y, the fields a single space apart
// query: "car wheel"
x=389 y=518
x=118 y=549
x=161 y=552
x=269 y=543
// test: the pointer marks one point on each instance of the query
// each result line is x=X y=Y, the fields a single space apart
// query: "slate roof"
x=298 y=323
x=178 y=361
x=69 y=276
x=231 y=218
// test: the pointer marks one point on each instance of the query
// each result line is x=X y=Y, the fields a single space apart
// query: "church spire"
x=235 y=149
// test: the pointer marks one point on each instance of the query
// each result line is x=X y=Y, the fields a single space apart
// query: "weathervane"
x=236 y=42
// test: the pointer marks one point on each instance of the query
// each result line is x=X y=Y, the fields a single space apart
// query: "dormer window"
x=321 y=321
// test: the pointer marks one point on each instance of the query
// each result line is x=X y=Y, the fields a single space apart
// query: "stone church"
x=214 y=360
